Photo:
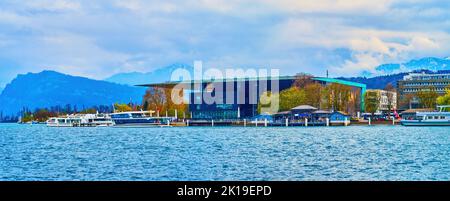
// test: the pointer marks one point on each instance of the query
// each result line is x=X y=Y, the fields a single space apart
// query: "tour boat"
x=81 y=120
x=139 y=119
x=440 y=118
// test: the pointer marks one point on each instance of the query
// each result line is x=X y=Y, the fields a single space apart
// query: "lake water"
x=35 y=152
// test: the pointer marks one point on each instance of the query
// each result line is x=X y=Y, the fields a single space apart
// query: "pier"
x=286 y=123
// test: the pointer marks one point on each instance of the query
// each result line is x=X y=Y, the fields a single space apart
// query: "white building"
x=386 y=98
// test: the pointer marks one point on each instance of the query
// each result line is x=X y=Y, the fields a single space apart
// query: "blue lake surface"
x=35 y=152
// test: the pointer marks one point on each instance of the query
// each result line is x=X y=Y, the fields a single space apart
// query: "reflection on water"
x=35 y=152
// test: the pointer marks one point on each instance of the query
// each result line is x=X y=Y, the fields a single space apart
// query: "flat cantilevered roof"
x=363 y=87
x=324 y=79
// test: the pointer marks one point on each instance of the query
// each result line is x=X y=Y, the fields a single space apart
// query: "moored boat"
x=139 y=119
x=439 y=118
x=81 y=120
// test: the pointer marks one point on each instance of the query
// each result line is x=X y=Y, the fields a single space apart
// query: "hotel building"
x=415 y=82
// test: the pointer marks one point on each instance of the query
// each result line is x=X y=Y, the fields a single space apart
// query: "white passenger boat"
x=440 y=118
x=81 y=120
x=139 y=119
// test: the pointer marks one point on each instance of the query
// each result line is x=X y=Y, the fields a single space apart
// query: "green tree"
x=338 y=97
x=390 y=97
x=445 y=99
x=291 y=98
x=122 y=107
x=406 y=101
x=314 y=93
x=266 y=101
x=160 y=99
x=427 y=97
x=287 y=99
x=89 y=111
x=42 y=115
x=27 y=117
x=372 y=100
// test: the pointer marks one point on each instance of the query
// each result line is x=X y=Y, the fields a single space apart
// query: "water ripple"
x=221 y=153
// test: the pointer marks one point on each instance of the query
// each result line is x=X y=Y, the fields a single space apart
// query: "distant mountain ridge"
x=50 y=88
x=380 y=82
x=428 y=63
x=386 y=73
x=391 y=73
x=156 y=76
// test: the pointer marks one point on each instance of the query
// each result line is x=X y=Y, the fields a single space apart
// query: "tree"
x=372 y=100
x=427 y=97
x=314 y=93
x=89 y=111
x=160 y=99
x=291 y=98
x=288 y=99
x=122 y=107
x=154 y=99
x=407 y=99
x=42 y=115
x=27 y=117
x=338 y=96
x=445 y=99
x=302 y=80
x=266 y=100
x=390 y=97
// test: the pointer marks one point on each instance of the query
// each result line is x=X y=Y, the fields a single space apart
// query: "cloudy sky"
x=98 y=38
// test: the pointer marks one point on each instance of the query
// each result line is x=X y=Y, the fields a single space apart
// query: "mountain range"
x=50 y=88
x=391 y=73
x=428 y=63
x=158 y=76
x=386 y=73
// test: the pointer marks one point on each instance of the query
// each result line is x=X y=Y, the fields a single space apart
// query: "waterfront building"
x=320 y=115
x=338 y=117
x=411 y=84
x=282 y=115
x=243 y=92
x=387 y=100
x=302 y=111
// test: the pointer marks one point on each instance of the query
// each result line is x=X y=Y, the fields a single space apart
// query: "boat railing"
x=443 y=107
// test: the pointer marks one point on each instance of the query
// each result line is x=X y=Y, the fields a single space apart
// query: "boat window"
x=137 y=115
x=120 y=116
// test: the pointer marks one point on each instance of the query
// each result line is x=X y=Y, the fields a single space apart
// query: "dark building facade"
x=416 y=82
x=238 y=98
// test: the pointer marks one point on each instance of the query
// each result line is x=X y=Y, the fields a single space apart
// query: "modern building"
x=388 y=100
x=339 y=117
x=415 y=82
x=244 y=94
x=302 y=112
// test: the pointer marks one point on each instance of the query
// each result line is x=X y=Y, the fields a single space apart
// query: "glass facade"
x=244 y=98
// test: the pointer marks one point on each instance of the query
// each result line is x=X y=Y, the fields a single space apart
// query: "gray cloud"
x=100 y=38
